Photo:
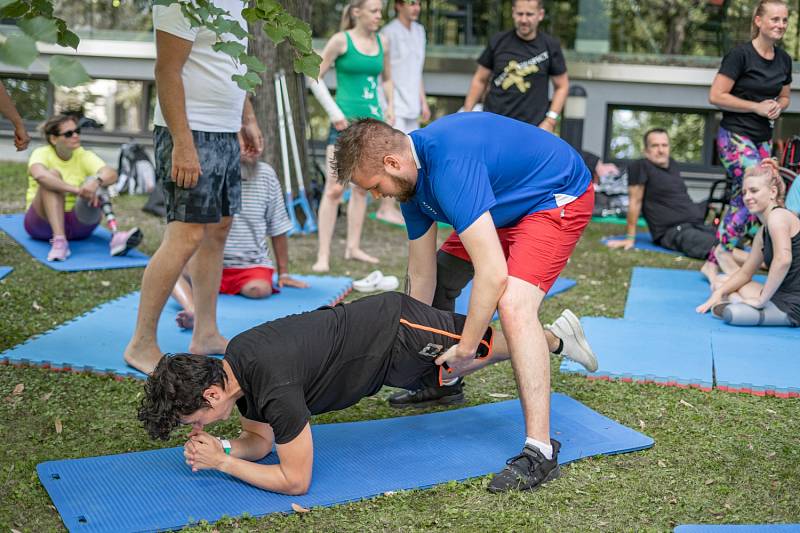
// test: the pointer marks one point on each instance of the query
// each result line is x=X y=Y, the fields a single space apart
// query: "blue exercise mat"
x=661 y=322
x=97 y=340
x=155 y=490
x=757 y=364
x=649 y=352
x=462 y=302
x=643 y=241
x=738 y=528
x=5 y=271
x=87 y=254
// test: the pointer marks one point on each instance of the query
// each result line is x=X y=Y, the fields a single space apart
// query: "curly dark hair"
x=175 y=389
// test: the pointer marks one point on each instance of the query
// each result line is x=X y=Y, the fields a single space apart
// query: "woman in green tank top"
x=360 y=57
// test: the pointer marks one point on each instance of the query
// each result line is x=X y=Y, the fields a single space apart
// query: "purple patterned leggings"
x=737 y=153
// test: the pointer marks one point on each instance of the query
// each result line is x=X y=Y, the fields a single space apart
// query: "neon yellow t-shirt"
x=74 y=171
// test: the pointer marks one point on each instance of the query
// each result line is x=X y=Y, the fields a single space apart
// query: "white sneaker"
x=370 y=283
x=568 y=328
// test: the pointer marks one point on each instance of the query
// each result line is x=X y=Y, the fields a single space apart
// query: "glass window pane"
x=685 y=130
x=108 y=105
x=29 y=97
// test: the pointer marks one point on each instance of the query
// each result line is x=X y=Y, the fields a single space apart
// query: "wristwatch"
x=552 y=114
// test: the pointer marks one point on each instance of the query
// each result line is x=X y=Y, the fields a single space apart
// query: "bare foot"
x=185 y=319
x=710 y=271
x=143 y=358
x=392 y=216
x=322 y=265
x=210 y=345
x=357 y=254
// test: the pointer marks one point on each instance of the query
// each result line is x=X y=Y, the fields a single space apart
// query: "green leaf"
x=276 y=33
x=5 y=3
x=18 y=50
x=40 y=29
x=232 y=48
x=67 y=71
x=250 y=14
x=14 y=10
x=68 y=38
x=308 y=65
x=252 y=63
x=248 y=82
x=164 y=2
x=269 y=6
x=44 y=7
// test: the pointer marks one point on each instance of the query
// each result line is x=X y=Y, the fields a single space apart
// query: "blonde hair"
x=770 y=171
x=348 y=20
x=758 y=11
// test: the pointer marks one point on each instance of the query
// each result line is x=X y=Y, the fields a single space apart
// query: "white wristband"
x=226 y=445
x=323 y=96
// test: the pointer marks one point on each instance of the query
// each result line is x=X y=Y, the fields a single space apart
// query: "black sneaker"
x=527 y=471
x=444 y=395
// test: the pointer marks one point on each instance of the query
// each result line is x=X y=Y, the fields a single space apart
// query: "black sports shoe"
x=527 y=471
x=444 y=395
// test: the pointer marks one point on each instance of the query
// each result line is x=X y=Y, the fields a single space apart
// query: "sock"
x=449 y=382
x=546 y=449
x=557 y=351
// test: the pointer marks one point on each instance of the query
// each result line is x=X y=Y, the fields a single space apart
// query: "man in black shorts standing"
x=280 y=373
x=202 y=121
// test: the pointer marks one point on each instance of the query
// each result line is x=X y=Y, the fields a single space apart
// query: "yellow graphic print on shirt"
x=515 y=75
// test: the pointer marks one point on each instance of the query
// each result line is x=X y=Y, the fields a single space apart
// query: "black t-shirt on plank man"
x=755 y=79
x=666 y=201
x=521 y=73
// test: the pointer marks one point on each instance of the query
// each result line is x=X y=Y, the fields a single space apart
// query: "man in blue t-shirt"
x=519 y=199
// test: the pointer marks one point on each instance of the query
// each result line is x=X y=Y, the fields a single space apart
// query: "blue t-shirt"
x=793 y=197
x=471 y=163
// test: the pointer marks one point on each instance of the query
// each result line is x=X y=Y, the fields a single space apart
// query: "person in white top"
x=407 y=40
x=203 y=121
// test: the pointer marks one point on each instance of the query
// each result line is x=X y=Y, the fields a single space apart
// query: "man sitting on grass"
x=656 y=190
x=280 y=373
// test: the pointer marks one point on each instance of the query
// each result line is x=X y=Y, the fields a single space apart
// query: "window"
x=687 y=132
x=30 y=96
x=109 y=105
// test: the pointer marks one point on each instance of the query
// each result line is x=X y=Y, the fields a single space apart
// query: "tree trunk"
x=276 y=58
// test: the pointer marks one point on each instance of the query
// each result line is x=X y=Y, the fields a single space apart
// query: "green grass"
x=718 y=458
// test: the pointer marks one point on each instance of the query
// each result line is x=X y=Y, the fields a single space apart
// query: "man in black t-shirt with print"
x=280 y=373
x=657 y=191
x=517 y=66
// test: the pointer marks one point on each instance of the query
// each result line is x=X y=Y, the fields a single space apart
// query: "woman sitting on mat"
x=740 y=301
x=67 y=193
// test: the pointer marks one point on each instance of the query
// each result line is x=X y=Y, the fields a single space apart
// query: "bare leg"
x=257 y=288
x=727 y=262
x=710 y=271
x=356 y=210
x=740 y=256
x=49 y=205
x=183 y=294
x=389 y=212
x=181 y=239
x=326 y=216
x=205 y=269
x=500 y=352
x=519 y=315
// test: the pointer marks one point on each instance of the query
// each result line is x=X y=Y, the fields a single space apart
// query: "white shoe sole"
x=577 y=330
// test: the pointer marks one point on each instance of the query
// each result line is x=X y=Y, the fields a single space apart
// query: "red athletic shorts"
x=538 y=246
x=233 y=279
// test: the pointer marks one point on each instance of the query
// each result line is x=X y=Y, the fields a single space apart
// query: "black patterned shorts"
x=218 y=192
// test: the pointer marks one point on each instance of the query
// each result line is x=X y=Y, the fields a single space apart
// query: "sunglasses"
x=68 y=133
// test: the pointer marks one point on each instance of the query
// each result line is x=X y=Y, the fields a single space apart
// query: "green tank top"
x=357 y=82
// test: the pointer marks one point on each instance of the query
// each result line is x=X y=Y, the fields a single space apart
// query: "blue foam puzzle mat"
x=660 y=312
x=738 y=528
x=642 y=351
x=87 y=254
x=462 y=302
x=155 y=490
x=5 y=271
x=97 y=340
x=643 y=241
x=753 y=363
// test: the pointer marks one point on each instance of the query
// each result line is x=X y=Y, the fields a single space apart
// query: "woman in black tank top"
x=742 y=301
